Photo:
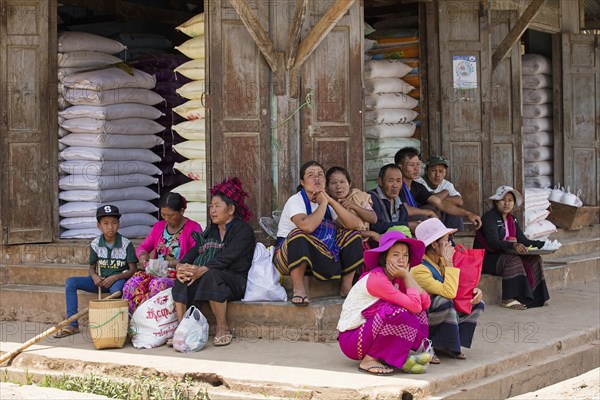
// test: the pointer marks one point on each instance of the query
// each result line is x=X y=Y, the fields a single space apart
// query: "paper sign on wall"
x=464 y=72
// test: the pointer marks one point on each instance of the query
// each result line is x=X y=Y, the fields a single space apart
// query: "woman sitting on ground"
x=384 y=317
x=216 y=268
x=168 y=241
x=448 y=329
x=309 y=240
x=523 y=282
x=354 y=200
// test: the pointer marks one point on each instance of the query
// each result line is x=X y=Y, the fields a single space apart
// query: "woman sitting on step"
x=523 y=282
x=448 y=329
x=216 y=268
x=309 y=238
x=354 y=200
x=384 y=317
x=168 y=240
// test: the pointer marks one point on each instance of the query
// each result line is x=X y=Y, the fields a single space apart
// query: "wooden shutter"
x=25 y=132
x=465 y=113
x=505 y=102
x=581 y=114
x=239 y=104
x=331 y=131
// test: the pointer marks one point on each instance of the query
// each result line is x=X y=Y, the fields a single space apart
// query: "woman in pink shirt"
x=384 y=316
x=169 y=239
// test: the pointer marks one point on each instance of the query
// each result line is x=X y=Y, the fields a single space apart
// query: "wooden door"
x=238 y=91
x=331 y=130
x=505 y=106
x=581 y=114
x=464 y=125
x=26 y=199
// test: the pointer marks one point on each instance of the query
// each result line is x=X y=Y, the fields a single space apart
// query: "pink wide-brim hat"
x=431 y=230
x=388 y=239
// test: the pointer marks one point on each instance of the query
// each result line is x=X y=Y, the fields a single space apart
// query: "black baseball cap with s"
x=107 y=211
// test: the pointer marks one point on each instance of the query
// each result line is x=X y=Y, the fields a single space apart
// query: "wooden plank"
x=257 y=32
x=294 y=38
x=26 y=198
x=515 y=33
x=316 y=35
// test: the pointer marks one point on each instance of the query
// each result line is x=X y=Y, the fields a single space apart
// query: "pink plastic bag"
x=470 y=262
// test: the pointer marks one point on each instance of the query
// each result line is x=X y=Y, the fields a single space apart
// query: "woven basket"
x=109 y=321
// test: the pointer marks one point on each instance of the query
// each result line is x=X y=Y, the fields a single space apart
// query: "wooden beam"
x=257 y=32
x=517 y=31
x=321 y=29
x=294 y=38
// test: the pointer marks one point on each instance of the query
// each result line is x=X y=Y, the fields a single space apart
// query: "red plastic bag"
x=470 y=262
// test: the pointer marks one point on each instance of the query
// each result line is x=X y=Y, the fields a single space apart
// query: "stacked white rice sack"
x=536 y=226
x=389 y=114
x=537 y=120
x=194 y=128
x=107 y=132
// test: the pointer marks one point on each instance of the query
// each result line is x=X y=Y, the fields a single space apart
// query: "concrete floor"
x=504 y=340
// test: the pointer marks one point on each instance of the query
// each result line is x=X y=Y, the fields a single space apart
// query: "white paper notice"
x=465 y=72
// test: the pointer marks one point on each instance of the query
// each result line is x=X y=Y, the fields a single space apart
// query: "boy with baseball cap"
x=112 y=262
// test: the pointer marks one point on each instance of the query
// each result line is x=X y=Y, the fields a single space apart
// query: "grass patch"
x=141 y=388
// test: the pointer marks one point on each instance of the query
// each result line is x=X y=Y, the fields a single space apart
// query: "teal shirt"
x=113 y=260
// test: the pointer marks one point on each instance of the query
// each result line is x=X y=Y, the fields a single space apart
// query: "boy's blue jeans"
x=85 y=283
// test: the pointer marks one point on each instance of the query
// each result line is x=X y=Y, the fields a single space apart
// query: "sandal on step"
x=223 y=340
x=170 y=342
x=514 y=305
x=446 y=352
x=377 y=370
x=302 y=303
x=66 y=331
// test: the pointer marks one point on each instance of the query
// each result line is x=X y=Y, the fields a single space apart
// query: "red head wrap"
x=232 y=188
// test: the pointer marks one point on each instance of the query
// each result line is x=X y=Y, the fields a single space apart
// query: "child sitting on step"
x=112 y=262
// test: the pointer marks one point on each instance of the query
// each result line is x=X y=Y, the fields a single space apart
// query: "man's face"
x=436 y=173
x=411 y=167
x=391 y=183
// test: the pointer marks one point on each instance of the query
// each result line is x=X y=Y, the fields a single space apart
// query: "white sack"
x=533 y=140
x=93 y=169
x=386 y=69
x=88 y=208
x=110 y=78
x=534 y=169
x=113 y=96
x=192 y=191
x=106 y=196
x=537 y=81
x=533 y=125
x=123 y=126
x=533 y=64
x=191 y=149
x=109 y=140
x=390 y=130
x=389 y=100
x=387 y=85
x=154 y=321
x=86 y=59
x=98 y=154
x=84 y=182
x=390 y=116
x=537 y=110
x=538 y=154
x=76 y=41
x=536 y=96
x=113 y=111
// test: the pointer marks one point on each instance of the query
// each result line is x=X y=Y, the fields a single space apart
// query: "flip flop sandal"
x=170 y=342
x=303 y=303
x=459 y=356
x=66 y=331
x=435 y=360
x=223 y=340
x=374 y=368
x=514 y=305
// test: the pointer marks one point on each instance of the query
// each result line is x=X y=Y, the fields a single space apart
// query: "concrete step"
x=566 y=271
x=43 y=304
x=513 y=352
x=316 y=322
x=42 y=274
x=270 y=320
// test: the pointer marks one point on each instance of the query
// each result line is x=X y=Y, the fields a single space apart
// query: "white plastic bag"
x=157 y=267
x=263 y=278
x=192 y=332
x=154 y=322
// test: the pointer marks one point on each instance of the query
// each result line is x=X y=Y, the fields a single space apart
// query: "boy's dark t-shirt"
x=114 y=259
